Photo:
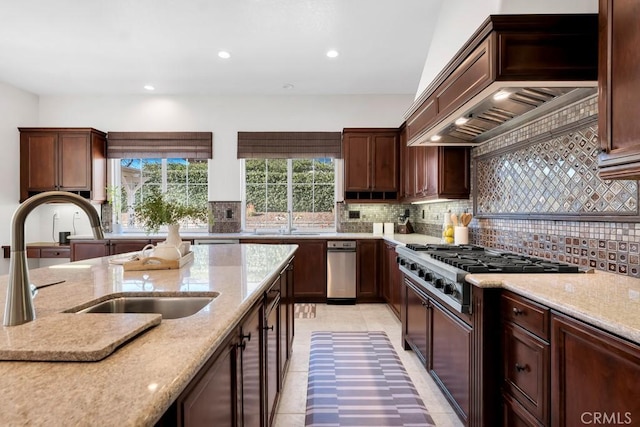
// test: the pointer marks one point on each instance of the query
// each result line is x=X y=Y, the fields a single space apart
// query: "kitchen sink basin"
x=168 y=307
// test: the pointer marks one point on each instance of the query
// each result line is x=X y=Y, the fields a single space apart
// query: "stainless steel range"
x=441 y=268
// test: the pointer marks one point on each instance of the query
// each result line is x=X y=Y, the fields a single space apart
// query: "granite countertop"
x=608 y=301
x=140 y=380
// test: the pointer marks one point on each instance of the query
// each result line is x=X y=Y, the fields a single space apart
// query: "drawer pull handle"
x=521 y=368
x=268 y=328
x=517 y=311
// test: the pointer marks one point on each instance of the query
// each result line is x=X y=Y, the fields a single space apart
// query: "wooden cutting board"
x=72 y=337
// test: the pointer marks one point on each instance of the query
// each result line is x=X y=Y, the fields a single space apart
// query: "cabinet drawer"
x=526 y=370
x=514 y=415
x=527 y=314
x=55 y=253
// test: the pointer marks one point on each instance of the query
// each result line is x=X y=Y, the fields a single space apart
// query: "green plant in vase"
x=156 y=211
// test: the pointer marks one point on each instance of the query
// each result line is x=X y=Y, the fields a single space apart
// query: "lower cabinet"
x=211 y=401
x=391 y=279
x=367 y=255
x=594 y=376
x=241 y=383
x=416 y=323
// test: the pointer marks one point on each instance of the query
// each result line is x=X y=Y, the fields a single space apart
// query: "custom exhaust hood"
x=513 y=69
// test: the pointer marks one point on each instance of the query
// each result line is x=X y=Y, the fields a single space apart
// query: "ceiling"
x=118 y=46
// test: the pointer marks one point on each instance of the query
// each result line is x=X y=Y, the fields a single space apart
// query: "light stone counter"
x=139 y=381
x=608 y=301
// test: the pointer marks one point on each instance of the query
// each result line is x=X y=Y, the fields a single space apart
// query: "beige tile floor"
x=361 y=317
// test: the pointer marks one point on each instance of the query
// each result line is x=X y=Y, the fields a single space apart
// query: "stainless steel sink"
x=168 y=307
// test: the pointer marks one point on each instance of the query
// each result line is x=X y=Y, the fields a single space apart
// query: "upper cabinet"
x=436 y=172
x=63 y=159
x=619 y=86
x=371 y=162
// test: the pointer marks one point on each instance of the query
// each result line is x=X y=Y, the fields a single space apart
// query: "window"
x=183 y=180
x=275 y=187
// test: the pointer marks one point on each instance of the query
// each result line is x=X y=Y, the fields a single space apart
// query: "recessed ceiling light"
x=461 y=120
x=332 y=53
x=435 y=138
x=287 y=86
x=149 y=87
x=224 y=54
x=499 y=96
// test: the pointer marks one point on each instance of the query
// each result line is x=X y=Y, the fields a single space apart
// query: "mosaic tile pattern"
x=557 y=176
x=369 y=213
x=220 y=211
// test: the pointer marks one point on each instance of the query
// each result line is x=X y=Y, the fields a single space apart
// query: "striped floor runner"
x=357 y=379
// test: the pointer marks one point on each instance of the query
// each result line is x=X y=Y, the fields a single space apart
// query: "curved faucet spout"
x=19 y=306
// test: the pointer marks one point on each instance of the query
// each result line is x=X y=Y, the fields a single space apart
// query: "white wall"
x=19 y=108
x=224 y=116
x=459 y=19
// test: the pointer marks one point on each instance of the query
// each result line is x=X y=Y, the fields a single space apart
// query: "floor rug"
x=305 y=311
x=357 y=379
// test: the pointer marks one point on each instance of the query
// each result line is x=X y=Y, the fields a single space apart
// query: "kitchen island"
x=137 y=383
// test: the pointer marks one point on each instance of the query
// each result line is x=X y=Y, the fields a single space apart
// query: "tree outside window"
x=305 y=187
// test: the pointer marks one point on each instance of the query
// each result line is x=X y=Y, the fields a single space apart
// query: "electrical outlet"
x=354 y=214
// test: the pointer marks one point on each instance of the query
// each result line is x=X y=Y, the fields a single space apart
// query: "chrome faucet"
x=19 y=306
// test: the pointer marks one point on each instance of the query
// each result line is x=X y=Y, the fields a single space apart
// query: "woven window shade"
x=166 y=145
x=289 y=145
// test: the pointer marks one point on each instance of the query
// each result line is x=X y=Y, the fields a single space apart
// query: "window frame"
x=337 y=180
x=115 y=180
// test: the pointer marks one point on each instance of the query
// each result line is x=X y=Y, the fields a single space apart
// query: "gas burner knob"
x=421 y=273
x=439 y=283
x=448 y=288
x=428 y=276
x=402 y=261
x=413 y=266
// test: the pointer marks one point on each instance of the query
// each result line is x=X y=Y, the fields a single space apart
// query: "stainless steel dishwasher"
x=341 y=272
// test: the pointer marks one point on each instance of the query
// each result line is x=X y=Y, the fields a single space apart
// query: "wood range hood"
x=538 y=63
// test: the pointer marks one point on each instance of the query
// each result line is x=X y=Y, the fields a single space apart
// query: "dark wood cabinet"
x=450 y=357
x=438 y=173
x=310 y=270
x=594 y=375
x=367 y=271
x=85 y=249
x=241 y=383
x=371 y=164
x=251 y=343
x=416 y=322
x=392 y=279
x=63 y=159
x=618 y=86
x=211 y=399
x=525 y=358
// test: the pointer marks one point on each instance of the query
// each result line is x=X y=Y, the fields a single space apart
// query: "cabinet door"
x=38 y=162
x=367 y=270
x=385 y=162
x=212 y=400
x=124 y=246
x=416 y=322
x=252 y=341
x=618 y=86
x=74 y=154
x=89 y=249
x=357 y=162
x=393 y=279
x=526 y=370
x=310 y=271
x=450 y=352
x=593 y=374
x=272 y=342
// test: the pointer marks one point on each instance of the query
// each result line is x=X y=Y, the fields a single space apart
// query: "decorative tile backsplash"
x=556 y=176
x=226 y=217
x=367 y=213
x=570 y=157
